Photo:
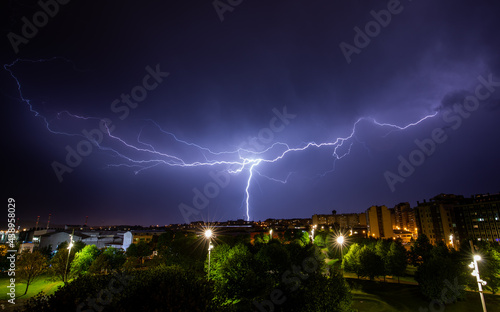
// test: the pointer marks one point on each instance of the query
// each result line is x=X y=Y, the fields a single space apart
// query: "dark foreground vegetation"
x=288 y=273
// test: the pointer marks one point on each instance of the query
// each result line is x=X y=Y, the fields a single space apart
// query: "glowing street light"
x=475 y=272
x=340 y=241
x=270 y=234
x=69 y=252
x=208 y=235
x=312 y=233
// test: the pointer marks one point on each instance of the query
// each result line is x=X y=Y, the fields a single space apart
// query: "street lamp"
x=208 y=235
x=69 y=252
x=312 y=233
x=270 y=234
x=340 y=242
x=480 y=282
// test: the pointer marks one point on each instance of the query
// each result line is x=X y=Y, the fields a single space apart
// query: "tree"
x=130 y=264
x=4 y=262
x=60 y=265
x=110 y=260
x=217 y=258
x=46 y=251
x=320 y=239
x=139 y=250
x=164 y=241
x=289 y=235
x=440 y=250
x=351 y=263
x=381 y=249
x=100 y=265
x=183 y=251
x=320 y=293
x=261 y=238
x=303 y=238
x=396 y=260
x=166 y=289
x=274 y=260
x=234 y=275
x=115 y=257
x=420 y=250
x=370 y=264
x=440 y=277
x=83 y=259
x=30 y=266
x=490 y=269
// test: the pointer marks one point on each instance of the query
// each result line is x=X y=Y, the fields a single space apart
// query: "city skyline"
x=46 y=222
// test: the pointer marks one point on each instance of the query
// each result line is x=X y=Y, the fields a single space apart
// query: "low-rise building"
x=54 y=239
x=343 y=221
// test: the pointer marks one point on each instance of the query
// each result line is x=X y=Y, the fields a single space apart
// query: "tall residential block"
x=436 y=219
x=478 y=218
x=378 y=220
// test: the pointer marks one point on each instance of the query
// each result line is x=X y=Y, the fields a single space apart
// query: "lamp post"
x=312 y=233
x=270 y=234
x=340 y=242
x=69 y=252
x=475 y=272
x=208 y=235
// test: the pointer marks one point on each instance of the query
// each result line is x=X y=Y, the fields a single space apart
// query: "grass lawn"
x=378 y=296
x=41 y=284
x=394 y=279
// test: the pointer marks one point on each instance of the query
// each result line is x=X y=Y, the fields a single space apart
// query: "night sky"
x=235 y=88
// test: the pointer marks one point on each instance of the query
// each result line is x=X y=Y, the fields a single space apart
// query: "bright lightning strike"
x=145 y=155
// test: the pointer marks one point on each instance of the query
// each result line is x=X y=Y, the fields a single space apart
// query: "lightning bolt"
x=143 y=155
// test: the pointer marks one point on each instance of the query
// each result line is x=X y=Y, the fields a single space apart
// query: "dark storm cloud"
x=454 y=98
